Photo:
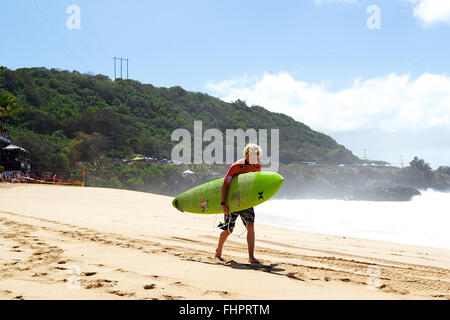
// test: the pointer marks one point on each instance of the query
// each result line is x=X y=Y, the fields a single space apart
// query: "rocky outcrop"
x=395 y=193
x=444 y=170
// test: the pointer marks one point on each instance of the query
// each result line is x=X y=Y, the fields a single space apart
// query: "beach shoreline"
x=97 y=243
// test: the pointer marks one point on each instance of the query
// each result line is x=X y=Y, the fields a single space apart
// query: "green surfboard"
x=246 y=190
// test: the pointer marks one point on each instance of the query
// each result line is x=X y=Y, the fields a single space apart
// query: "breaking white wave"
x=424 y=221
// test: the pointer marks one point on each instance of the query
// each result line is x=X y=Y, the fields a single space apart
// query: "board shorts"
x=247 y=215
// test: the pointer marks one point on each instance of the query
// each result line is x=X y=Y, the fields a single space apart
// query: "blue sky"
x=188 y=43
x=203 y=45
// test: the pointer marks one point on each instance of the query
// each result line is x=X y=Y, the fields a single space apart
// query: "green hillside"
x=69 y=117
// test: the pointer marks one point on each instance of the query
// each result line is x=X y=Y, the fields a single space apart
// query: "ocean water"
x=424 y=221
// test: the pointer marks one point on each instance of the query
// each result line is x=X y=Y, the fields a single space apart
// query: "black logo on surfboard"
x=260 y=195
x=237 y=197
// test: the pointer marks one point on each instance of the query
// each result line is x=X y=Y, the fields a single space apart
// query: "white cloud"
x=388 y=116
x=390 y=104
x=428 y=11
x=432 y=11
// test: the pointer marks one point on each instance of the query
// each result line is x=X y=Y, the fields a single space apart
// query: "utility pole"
x=365 y=155
x=114 y=68
x=401 y=160
x=121 y=74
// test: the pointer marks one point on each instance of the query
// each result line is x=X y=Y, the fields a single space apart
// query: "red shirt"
x=240 y=166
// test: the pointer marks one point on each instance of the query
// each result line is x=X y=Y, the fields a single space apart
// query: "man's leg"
x=251 y=242
x=223 y=237
x=248 y=218
x=227 y=227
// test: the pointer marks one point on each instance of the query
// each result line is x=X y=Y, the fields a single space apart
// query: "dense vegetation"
x=69 y=117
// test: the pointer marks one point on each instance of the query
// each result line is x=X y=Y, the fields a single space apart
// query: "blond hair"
x=252 y=148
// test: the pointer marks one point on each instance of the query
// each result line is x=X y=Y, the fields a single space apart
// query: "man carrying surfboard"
x=252 y=153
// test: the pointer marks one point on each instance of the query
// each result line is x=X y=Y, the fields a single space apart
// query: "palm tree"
x=8 y=107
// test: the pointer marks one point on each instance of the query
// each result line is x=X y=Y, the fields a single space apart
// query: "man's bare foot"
x=218 y=255
x=254 y=261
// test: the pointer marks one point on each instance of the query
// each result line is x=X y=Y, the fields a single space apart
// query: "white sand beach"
x=134 y=245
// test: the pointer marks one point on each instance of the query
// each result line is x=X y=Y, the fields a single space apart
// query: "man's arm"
x=224 y=191
x=225 y=185
x=225 y=208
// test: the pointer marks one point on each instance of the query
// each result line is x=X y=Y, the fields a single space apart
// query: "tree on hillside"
x=420 y=165
x=88 y=147
x=8 y=107
x=420 y=172
x=10 y=80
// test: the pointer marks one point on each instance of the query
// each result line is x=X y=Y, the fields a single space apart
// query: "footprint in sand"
x=99 y=283
x=122 y=293
x=150 y=286
x=221 y=293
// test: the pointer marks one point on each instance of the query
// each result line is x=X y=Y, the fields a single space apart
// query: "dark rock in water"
x=444 y=170
x=396 y=193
